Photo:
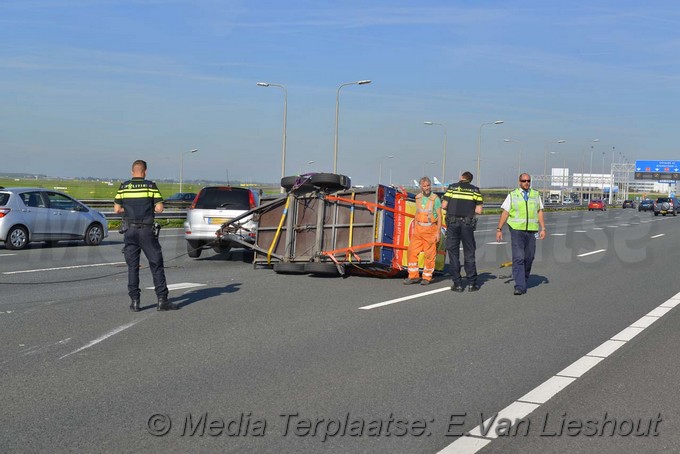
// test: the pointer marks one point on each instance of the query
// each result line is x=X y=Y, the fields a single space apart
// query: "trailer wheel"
x=289 y=268
x=331 y=181
x=322 y=268
x=287 y=183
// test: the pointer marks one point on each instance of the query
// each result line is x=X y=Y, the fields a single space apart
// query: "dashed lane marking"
x=485 y=433
x=591 y=253
x=658 y=236
x=180 y=286
x=404 y=298
x=103 y=338
x=64 y=268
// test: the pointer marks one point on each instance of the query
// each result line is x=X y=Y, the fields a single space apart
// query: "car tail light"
x=251 y=199
x=4 y=212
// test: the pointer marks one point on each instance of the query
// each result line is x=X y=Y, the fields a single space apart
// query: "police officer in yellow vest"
x=425 y=234
x=523 y=211
x=138 y=199
x=462 y=202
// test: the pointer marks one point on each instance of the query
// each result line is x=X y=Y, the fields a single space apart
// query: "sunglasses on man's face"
x=525 y=181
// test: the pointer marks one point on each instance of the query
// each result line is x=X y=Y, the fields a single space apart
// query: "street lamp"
x=380 y=167
x=590 y=177
x=307 y=163
x=519 y=155
x=181 y=166
x=425 y=164
x=337 y=113
x=479 y=147
x=285 y=113
x=545 y=163
x=430 y=123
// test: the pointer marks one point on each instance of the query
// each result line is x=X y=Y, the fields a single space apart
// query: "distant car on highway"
x=666 y=205
x=597 y=205
x=567 y=201
x=646 y=205
x=628 y=204
x=182 y=197
x=36 y=214
x=212 y=207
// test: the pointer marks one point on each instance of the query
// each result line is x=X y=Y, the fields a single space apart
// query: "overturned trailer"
x=322 y=226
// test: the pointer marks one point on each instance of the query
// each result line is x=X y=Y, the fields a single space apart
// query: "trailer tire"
x=322 y=268
x=287 y=183
x=289 y=268
x=331 y=181
x=194 y=248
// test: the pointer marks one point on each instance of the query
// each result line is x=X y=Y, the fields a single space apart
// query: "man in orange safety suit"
x=426 y=230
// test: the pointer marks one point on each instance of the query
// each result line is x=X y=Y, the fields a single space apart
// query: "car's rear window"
x=662 y=200
x=224 y=197
x=4 y=198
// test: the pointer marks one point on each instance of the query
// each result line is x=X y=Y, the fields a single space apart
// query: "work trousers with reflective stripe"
x=136 y=241
x=458 y=231
x=423 y=239
x=523 y=252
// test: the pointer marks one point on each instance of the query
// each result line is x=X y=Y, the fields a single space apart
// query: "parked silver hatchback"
x=212 y=207
x=36 y=214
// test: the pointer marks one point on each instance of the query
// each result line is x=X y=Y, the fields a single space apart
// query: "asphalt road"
x=266 y=363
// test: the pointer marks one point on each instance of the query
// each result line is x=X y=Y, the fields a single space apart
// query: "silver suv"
x=36 y=214
x=213 y=206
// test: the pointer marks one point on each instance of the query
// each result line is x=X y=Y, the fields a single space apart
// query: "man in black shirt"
x=462 y=202
x=138 y=199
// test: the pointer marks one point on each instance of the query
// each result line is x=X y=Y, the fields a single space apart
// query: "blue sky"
x=87 y=86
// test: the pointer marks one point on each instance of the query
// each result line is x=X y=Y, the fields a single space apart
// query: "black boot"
x=134 y=305
x=165 y=305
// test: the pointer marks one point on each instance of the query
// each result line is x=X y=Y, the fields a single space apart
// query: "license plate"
x=219 y=221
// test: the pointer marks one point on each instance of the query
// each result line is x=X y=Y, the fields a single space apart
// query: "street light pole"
x=285 y=114
x=479 y=148
x=430 y=123
x=590 y=176
x=337 y=114
x=519 y=155
x=380 y=167
x=426 y=163
x=545 y=164
x=181 y=166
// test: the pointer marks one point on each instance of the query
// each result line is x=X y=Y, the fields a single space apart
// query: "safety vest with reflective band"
x=425 y=216
x=524 y=213
x=138 y=196
x=462 y=199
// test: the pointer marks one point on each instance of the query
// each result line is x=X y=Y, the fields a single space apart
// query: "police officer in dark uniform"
x=138 y=199
x=462 y=202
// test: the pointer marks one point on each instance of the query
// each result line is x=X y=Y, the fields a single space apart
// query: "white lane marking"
x=612 y=226
x=580 y=231
x=580 y=366
x=628 y=333
x=514 y=411
x=405 y=298
x=591 y=253
x=558 y=234
x=473 y=441
x=598 y=228
x=498 y=242
x=103 y=338
x=607 y=348
x=180 y=286
x=6 y=255
x=64 y=268
x=624 y=225
x=658 y=236
x=465 y=445
x=546 y=390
